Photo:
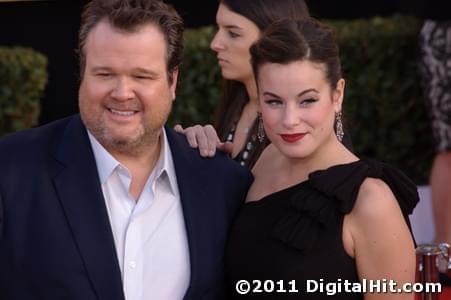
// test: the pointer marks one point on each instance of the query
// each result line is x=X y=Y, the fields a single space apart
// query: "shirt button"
x=132 y=264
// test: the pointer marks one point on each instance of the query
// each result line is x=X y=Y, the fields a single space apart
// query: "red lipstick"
x=292 y=138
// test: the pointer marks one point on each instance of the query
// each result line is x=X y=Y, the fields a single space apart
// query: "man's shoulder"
x=33 y=139
x=221 y=162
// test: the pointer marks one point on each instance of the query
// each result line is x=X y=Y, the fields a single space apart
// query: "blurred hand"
x=227 y=147
x=205 y=138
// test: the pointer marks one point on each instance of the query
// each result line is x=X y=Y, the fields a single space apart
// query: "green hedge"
x=384 y=109
x=199 y=87
x=23 y=77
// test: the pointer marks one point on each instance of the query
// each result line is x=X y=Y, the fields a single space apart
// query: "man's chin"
x=123 y=135
x=122 y=145
x=123 y=139
x=119 y=141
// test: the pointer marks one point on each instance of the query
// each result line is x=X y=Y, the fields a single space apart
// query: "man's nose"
x=123 y=90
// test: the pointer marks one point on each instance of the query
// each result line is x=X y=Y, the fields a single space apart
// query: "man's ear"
x=173 y=84
x=338 y=95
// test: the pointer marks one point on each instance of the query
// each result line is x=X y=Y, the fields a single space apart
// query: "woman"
x=315 y=214
x=240 y=24
x=435 y=71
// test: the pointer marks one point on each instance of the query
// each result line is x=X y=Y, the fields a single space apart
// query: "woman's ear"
x=338 y=95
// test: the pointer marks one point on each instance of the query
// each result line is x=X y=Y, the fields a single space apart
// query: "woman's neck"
x=299 y=168
x=251 y=89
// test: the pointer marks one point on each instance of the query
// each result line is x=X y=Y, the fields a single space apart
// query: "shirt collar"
x=106 y=163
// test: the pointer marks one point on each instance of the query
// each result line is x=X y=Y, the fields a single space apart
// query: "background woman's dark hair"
x=262 y=13
x=286 y=41
x=129 y=15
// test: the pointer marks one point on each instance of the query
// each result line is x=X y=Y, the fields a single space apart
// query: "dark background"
x=51 y=27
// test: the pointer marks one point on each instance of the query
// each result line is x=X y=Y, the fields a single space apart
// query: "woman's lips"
x=222 y=60
x=292 y=138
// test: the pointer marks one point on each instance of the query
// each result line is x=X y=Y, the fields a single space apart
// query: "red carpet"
x=445 y=295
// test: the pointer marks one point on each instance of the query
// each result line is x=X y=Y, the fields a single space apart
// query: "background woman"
x=240 y=24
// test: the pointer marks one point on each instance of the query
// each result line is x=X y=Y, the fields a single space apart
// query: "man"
x=111 y=204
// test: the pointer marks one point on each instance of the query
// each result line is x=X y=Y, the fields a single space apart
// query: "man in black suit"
x=111 y=204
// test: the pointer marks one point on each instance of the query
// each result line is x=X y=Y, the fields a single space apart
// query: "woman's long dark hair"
x=262 y=13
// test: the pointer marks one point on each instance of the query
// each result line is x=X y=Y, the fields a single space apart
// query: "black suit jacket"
x=55 y=237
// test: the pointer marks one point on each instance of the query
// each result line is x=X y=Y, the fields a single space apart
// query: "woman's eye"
x=308 y=101
x=273 y=102
x=233 y=34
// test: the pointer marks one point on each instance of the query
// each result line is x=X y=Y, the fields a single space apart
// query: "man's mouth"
x=123 y=113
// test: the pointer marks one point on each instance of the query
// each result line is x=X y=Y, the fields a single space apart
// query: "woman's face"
x=232 y=41
x=298 y=106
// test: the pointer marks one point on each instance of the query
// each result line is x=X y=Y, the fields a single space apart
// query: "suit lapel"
x=192 y=187
x=80 y=193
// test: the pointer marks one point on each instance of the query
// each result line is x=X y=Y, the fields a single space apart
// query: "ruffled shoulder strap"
x=329 y=194
x=343 y=183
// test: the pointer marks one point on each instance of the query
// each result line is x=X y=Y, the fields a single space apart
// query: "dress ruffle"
x=329 y=194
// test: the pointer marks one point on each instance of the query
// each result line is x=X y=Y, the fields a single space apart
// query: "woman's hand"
x=205 y=138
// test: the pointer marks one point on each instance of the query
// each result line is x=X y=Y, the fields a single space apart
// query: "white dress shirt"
x=149 y=234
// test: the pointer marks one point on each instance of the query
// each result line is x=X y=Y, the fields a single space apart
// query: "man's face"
x=125 y=96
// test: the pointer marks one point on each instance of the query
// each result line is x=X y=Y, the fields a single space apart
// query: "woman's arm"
x=381 y=241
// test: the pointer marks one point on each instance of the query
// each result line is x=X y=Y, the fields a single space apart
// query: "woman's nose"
x=290 y=117
x=217 y=43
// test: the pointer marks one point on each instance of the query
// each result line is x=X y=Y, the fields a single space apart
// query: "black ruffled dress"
x=295 y=234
